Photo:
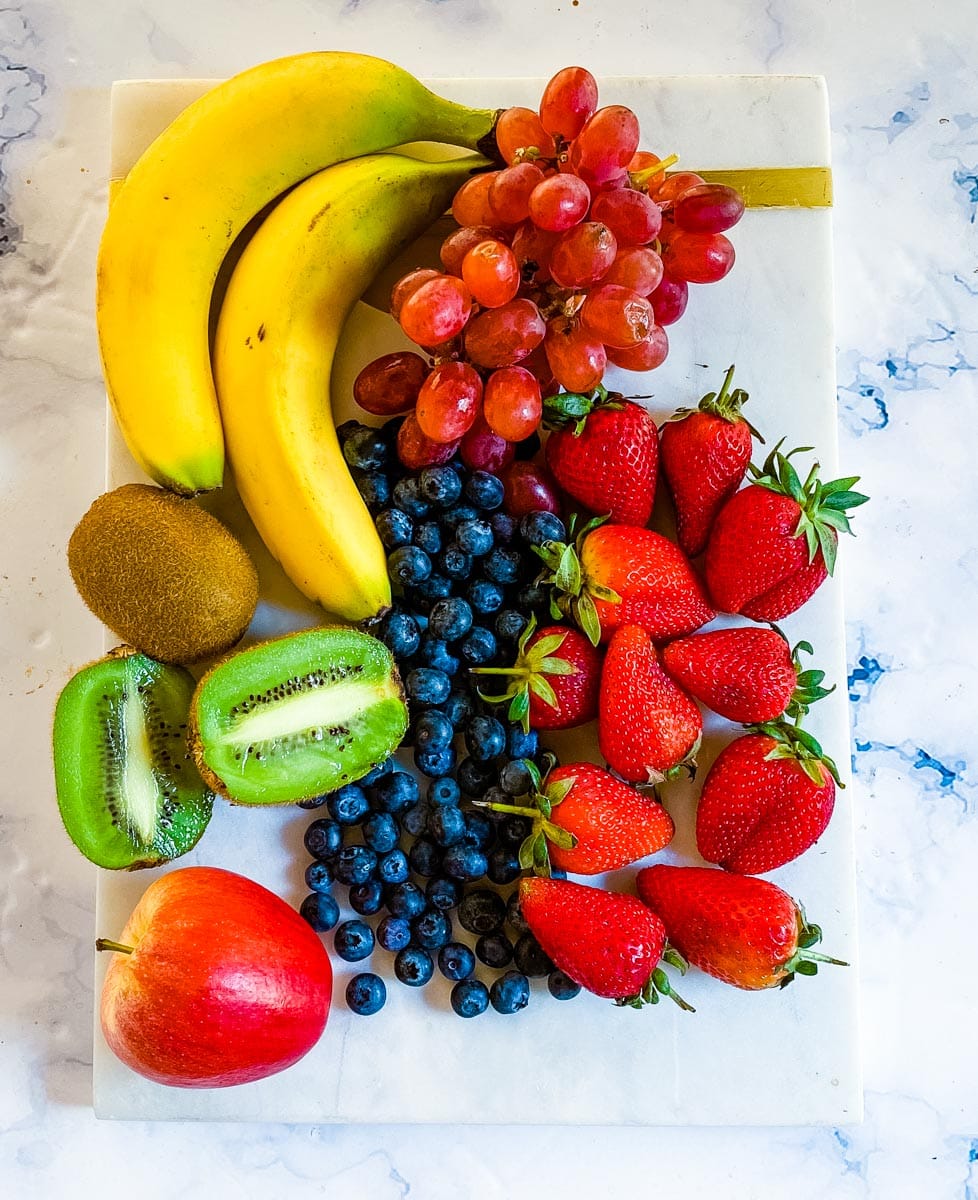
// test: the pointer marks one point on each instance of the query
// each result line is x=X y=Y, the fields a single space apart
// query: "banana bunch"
x=319 y=118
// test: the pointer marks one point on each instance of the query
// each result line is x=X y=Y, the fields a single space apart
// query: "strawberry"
x=744 y=931
x=767 y=798
x=774 y=542
x=550 y=690
x=607 y=942
x=745 y=674
x=705 y=454
x=604 y=452
x=647 y=726
x=594 y=821
x=613 y=575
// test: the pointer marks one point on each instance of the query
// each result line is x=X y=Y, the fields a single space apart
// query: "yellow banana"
x=285 y=305
x=191 y=193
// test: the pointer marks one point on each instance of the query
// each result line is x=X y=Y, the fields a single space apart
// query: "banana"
x=285 y=305
x=188 y=197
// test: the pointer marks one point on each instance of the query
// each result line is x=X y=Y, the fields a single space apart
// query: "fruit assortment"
x=489 y=534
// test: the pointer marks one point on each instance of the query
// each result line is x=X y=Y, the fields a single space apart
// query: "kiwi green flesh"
x=128 y=790
x=298 y=717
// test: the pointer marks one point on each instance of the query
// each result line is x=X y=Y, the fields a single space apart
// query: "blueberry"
x=509 y=625
x=380 y=832
x=514 y=914
x=349 y=805
x=395 y=792
x=408 y=498
x=456 y=961
x=561 y=986
x=443 y=893
x=446 y=824
x=436 y=761
x=436 y=587
x=425 y=857
x=504 y=865
x=400 y=634
x=435 y=652
x=405 y=900
x=395 y=528
x=458 y=708
x=465 y=863
x=485 y=739
x=427 y=535
x=482 y=911
x=450 y=619
x=413 y=966
x=431 y=930
x=469 y=998
x=311 y=802
x=365 y=449
x=355 y=864
x=515 y=778
x=503 y=528
x=513 y=830
x=509 y=993
x=534 y=598
x=377 y=773
x=539 y=527
x=474 y=778
x=484 y=490
x=366 y=994
x=479 y=647
x=394 y=933
x=319 y=877
x=323 y=838
x=428 y=686
x=320 y=910
x=455 y=563
x=480 y=831
x=530 y=956
x=502 y=565
x=485 y=596
x=495 y=950
x=393 y=867
x=496 y=795
x=457 y=514
x=408 y=566
x=520 y=743
x=345 y=431
x=415 y=820
x=443 y=791
x=475 y=537
x=433 y=730
x=374 y=487
x=440 y=485
x=367 y=898
x=557 y=873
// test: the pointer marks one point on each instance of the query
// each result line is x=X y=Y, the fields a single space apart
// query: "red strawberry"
x=647 y=725
x=556 y=678
x=745 y=931
x=773 y=543
x=594 y=821
x=767 y=798
x=604 y=452
x=705 y=454
x=615 y=575
x=607 y=942
x=745 y=674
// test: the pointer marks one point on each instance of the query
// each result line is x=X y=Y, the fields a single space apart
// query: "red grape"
x=646 y=356
x=390 y=384
x=416 y=450
x=636 y=267
x=529 y=487
x=617 y=316
x=576 y=358
x=674 y=185
x=605 y=146
x=538 y=363
x=559 y=202
x=632 y=217
x=449 y=401
x=504 y=336
x=669 y=300
x=708 y=208
x=698 y=257
x=455 y=247
x=491 y=272
x=583 y=254
x=471 y=203
x=483 y=450
x=437 y=311
x=509 y=194
x=534 y=246
x=512 y=405
x=569 y=99
x=519 y=130
x=407 y=285
x=642 y=160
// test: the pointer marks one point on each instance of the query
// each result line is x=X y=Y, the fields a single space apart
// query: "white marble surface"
x=905 y=126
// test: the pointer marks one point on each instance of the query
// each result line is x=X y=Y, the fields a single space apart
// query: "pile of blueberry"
x=421 y=858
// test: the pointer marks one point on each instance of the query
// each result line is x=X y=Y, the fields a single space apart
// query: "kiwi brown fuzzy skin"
x=163 y=574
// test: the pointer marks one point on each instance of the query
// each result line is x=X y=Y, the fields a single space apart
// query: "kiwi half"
x=128 y=790
x=297 y=716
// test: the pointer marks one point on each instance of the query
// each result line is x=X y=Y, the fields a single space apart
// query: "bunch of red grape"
x=575 y=254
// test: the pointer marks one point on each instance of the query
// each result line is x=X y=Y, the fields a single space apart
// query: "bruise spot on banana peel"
x=319 y=215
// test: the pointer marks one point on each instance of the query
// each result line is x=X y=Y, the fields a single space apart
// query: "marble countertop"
x=904 y=107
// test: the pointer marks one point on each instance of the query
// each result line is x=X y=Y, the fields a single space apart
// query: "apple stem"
x=118 y=947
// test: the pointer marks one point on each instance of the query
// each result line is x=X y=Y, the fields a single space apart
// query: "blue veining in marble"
x=866 y=672
x=852 y=1163
x=968 y=182
x=22 y=88
x=905 y=116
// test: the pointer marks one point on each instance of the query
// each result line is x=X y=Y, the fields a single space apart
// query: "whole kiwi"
x=163 y=574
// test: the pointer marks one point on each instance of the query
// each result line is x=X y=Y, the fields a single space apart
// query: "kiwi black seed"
x=297 y=716
x=163 y=574
x=129 y=792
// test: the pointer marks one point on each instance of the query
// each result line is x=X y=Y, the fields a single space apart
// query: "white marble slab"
x=786 y=1057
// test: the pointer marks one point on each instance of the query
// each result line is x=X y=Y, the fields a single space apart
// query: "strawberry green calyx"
x=572 y=594
x=529 y=674
x=725 y=404
x=808 y=688
x=805 y=960
x=657 y=985
x=568 y=409
x=824 y=507
x=542 y=799
x=792 y=742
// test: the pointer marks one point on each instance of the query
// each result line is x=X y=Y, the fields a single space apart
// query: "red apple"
x=215 y=981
